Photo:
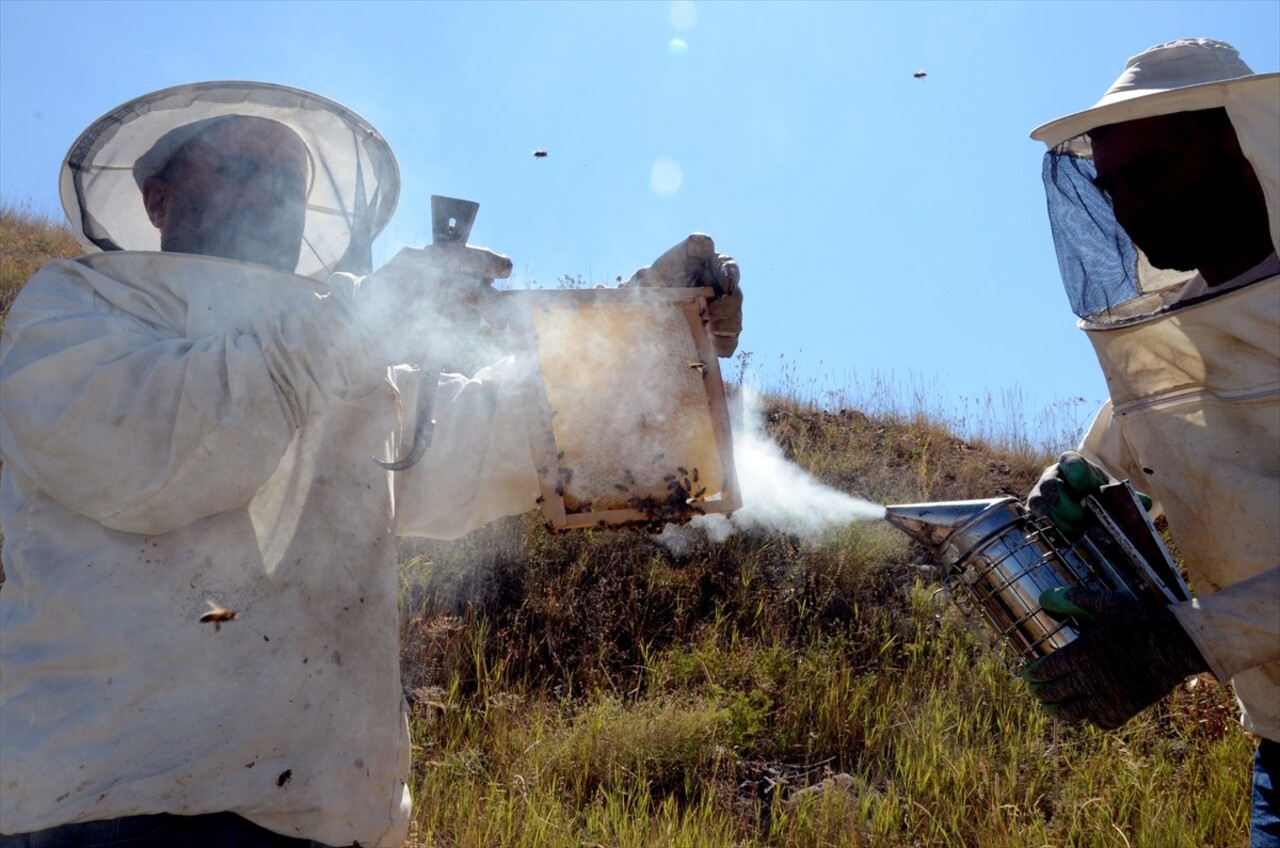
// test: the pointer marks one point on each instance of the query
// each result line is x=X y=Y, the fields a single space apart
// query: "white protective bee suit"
x=1193 y=372
x=178 y=431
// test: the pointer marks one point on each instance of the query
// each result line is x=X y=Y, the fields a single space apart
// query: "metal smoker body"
x=998 y=559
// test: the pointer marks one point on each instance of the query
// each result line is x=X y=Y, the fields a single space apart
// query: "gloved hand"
x=1060 y=492
x=430 y=295
x=693 y=263
x=448 y=277
x=1127 y=656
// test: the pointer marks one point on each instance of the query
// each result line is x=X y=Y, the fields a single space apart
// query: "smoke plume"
x=777 y=495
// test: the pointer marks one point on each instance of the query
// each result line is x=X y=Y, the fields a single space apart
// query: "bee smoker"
x=998 y=558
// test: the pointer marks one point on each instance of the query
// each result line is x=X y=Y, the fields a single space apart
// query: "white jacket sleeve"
x=1104 y=445
x=1236 y=628
x=479 y=466
x=121 y=415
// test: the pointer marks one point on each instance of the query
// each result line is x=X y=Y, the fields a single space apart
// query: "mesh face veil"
x=353 y=180
x=1108 y=279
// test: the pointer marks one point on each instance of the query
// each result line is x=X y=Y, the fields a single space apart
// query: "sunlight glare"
x=683 y=15
x=665 y=177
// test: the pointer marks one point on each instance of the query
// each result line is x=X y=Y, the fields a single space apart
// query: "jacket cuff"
x=1238 y=627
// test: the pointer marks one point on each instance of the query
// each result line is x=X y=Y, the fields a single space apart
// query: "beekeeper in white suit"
x=1164 y=199
x=198 y=632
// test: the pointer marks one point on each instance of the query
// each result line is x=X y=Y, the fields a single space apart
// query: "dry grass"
x=598 y=689
x=27 y=241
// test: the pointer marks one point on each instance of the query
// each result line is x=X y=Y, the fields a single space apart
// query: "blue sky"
x=888 y=228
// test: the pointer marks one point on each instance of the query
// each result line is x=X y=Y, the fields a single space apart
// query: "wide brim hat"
x=354 y=182
x=1180 y=76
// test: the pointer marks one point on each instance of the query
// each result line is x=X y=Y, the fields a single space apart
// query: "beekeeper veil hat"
x=1107 y=278
x=353 y=180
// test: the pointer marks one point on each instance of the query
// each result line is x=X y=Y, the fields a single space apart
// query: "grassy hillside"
x=27 y=241
x=597 y=688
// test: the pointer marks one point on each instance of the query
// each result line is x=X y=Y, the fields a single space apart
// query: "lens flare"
x=665 y=177
x=682 y=15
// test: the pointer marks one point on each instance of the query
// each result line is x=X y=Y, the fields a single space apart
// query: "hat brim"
x=354 y=187
x=1140 y=103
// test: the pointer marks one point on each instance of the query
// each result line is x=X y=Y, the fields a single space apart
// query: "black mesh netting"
x=1097 y=259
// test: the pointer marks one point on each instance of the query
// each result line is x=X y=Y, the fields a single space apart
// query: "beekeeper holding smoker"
x=198 y=632
x=1164 y=199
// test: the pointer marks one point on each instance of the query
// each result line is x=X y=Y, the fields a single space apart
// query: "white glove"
x=695 y=263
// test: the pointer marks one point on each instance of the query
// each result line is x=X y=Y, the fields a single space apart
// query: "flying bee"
x=217 y=615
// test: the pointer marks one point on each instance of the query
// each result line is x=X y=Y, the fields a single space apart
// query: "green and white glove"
x=1128 y=656
x=1060 y=492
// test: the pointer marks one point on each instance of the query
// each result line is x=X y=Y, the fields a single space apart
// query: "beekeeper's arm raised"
x=479 y=466
x=114 y=411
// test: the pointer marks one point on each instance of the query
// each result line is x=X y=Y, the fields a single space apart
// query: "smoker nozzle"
x=931 y=523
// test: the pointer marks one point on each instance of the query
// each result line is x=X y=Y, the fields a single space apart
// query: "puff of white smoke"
x=778 y=496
